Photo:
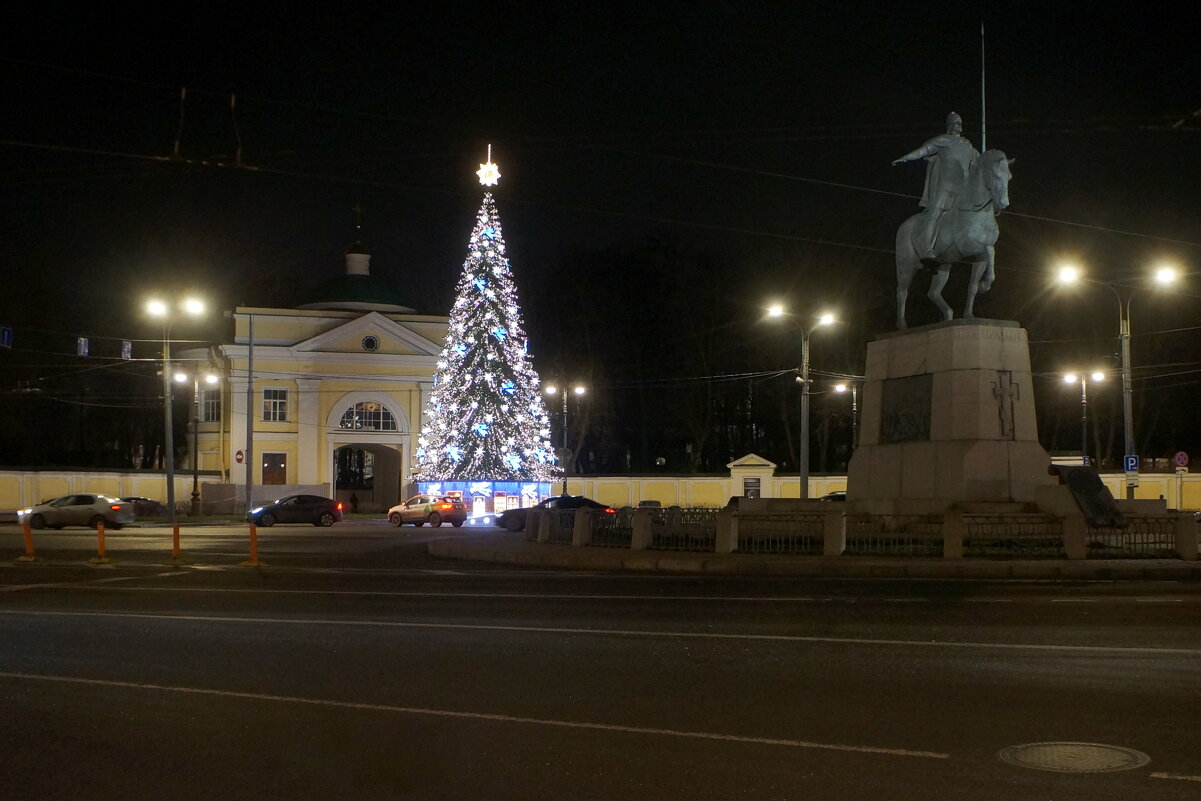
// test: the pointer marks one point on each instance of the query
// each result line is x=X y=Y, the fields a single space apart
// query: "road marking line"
x=697 y=635
x=449 y=713
x=489 y=595
x=90 y=583
x=556 y=596
x=1176 y=776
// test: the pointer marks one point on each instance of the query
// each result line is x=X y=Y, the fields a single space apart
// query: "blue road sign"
x=1130 y=464
x=6 y=337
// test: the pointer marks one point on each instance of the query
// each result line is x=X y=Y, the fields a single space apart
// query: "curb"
x=566 y=557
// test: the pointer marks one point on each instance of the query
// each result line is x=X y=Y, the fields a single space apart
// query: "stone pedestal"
x=948 y=418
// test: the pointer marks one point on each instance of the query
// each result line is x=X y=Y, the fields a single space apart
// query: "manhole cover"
x=1073 y=757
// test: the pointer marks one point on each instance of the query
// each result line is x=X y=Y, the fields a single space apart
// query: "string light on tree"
x=485 y=419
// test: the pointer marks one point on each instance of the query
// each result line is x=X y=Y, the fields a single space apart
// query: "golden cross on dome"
x=489 y=173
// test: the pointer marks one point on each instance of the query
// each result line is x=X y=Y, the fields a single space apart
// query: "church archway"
x=368 y=433
x=367 y=475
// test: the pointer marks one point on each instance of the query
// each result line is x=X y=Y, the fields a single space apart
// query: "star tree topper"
x=489 y=173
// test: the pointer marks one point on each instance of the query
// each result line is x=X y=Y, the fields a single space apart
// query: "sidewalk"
x=513 y=549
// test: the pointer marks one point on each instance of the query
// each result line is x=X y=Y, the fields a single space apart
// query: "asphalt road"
x=354 y=665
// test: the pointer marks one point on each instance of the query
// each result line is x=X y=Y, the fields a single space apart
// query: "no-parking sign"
x=239 y=456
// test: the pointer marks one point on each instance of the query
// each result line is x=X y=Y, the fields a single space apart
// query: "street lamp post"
x=209 y=378
x=160 y=309
x=579 y=390
x=803 y=456
x=1071 y=378
x=1070 y=274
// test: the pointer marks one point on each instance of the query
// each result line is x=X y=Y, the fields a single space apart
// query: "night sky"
x=759 y=136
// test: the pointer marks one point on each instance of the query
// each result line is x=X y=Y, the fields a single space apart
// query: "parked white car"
x=79 y=510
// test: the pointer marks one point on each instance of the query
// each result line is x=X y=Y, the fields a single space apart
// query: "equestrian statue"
x=964 y=192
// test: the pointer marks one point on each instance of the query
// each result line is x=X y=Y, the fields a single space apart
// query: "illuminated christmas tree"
x=485 y=419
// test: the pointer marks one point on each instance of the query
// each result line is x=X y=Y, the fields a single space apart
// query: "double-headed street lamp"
x=163 y=311
x=806 y=331
x=578 y=390
x=209 y=378
x=1163 y=276
x=1072 y=378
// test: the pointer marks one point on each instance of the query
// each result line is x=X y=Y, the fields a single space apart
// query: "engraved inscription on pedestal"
x=905 y=409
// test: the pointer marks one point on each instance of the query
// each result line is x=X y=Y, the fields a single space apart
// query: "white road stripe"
x=698 y=635
x=1176 y=777
x=485 y=716
x=558 y=596
x=91 y=583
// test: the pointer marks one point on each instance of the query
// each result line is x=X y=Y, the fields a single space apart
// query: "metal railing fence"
x=1143 y=538
x=613 y=531
x=793 y=532
x=562 y=525
x=678 y=528
x=1013 y=535
x=894 y=535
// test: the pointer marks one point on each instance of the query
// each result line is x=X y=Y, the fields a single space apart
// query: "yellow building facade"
x=350 y=370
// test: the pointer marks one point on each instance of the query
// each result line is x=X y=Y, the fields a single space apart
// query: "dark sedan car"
x=297 y=509
x=514 y=519
x=146 y=506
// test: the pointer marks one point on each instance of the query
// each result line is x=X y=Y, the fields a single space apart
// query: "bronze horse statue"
x=967 y=233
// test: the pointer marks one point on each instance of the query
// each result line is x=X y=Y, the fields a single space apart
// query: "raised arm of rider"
x=925 y=151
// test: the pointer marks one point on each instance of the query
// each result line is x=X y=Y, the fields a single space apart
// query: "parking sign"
x=1130 y=464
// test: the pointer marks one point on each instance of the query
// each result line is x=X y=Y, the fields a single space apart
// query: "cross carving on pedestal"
x=1005 y=391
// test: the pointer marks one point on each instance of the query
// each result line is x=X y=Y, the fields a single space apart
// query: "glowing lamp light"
x=826 y=319
x=1070 y=378
x=1098 y=376
x=1068 y=274
x=488 y=172
x=840 y=387
x=1165 y=275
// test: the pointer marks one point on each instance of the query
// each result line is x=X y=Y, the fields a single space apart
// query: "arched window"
x=370 y=415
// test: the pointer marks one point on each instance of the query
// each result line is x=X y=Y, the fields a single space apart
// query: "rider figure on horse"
x=949 y=158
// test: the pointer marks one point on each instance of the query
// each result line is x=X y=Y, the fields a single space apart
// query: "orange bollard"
x=99 y=558
x=176 y=560
x=29 y=556
x=253 y=561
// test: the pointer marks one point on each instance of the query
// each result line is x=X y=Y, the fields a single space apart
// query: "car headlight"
x=256 y=510
x=24 y=512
